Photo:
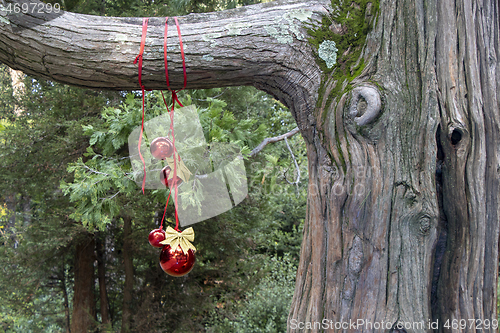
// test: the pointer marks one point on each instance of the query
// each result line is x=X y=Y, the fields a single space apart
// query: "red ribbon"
x=165 y=211
x=139 y=59
x=174 y=93
x=174 y=99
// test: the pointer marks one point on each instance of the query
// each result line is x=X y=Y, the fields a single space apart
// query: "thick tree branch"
x=226 y=48
x=263 y=45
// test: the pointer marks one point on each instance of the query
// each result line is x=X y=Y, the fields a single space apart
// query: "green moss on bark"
x=347 y=25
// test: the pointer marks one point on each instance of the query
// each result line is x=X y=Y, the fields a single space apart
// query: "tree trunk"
x=468 y=84
x=403 y=214
x=83 y=317
x=67 y=321
x=129 y=275
x=101 y=276
x=17 y=87
x=17 y=82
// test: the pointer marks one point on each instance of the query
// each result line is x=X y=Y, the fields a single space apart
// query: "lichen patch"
x=121 y=38
x=299 y=14
x=328 y=52
x=211 y=38
x=286 y=26
x=234 y=29
x=280 y=33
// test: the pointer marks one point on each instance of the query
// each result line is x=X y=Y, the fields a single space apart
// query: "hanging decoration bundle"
x=209 y=181
x=178 y=254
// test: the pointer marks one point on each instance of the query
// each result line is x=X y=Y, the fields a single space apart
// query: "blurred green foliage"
x=263 y=309
x=66 y=173
x=78 y=139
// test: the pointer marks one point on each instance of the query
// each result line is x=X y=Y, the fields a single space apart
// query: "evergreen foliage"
x=36 y=146
x=66 y=173
x=78 y=139
x=262 y=309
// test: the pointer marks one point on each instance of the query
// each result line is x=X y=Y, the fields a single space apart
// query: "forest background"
x=68 y=203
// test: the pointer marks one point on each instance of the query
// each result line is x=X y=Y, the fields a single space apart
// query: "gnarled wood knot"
x=365 y=105
x=425 y=225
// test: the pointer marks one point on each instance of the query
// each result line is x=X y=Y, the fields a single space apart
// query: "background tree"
x=50 y=251
x=229 y=246
x=388 y=72
x=37 y=144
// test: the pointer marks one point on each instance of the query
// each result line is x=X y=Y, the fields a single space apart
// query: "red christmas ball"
x=176 y=262
x=174 y=181
x=156 y=236
x=164 y=174
x=161 y=148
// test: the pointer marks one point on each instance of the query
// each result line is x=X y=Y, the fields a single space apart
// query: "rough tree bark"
x=403 y=212
x=67 y=319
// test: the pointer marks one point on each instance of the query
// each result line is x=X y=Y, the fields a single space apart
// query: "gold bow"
x=182 y=170
x=175 y=238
